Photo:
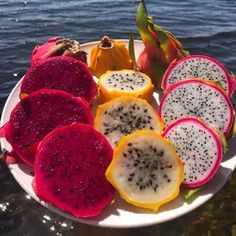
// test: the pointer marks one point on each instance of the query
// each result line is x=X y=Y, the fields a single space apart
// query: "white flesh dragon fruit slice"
x=124 y=115
x=195 y=66
x=199 y=147
x=196 y=97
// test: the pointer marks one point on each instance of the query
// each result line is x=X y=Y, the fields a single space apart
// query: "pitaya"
x=113 y=84
x=124 y=115
x=146 y=169
x=70 y=170
x=199 y=66
x=58 y=47
x=199 y=98
x=199 y=147
x=39 y=113
x=62 y=73
x=161 y=47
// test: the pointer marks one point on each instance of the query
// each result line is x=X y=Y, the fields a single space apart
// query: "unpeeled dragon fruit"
x=199 y=98
x=70 y=170
x=199 y=147
x=62 y=73
x=202 y=66
x=39 y=113
x=58 y=47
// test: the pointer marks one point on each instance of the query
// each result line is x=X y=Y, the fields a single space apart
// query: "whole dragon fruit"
x=58 y=47
x=161 y=47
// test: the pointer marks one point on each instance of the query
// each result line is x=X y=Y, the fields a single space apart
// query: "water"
x=207 y=27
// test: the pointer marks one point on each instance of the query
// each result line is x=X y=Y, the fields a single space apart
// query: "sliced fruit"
x=124 y=115
x=199 y=98
x=146 y=169
x=199 y=147
x=202 y=66
x=61 y=73
x=70 y=170
x=39 y=113
x=113 y=84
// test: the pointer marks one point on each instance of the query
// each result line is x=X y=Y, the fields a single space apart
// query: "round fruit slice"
x=113 y=84
x=146 y=169
x=195 y=66
x=61 y=73
x=70 y=170
x=199 y=98
x=198 y=146
x=124 y=115
x=39 y=113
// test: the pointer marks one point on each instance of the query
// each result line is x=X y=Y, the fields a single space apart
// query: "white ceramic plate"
x=121 y=214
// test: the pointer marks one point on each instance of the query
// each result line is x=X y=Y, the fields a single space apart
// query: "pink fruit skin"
x=53 y=47
x=230 y=79
x=39 y=113
x=180 y=83
x=70 y=170
x=62 y=73
x=218 y=143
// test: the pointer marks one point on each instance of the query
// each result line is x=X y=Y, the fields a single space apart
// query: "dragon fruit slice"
x=113 y=84
x=199 y=147
x=195 y=66
x=70 y=170
x=39 y=113
x=62 y=73
x=124 y=115
x=146 y=169
x=58 y=47
x=196 y=97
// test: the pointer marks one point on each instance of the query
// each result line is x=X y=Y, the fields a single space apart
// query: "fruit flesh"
x=195 y=66
x=61 y=73
x=198 y=146
x=113 y=84
x=146 y=170
x=124 y=115
x=196 y=97
x=39 y=113
x=70 y=170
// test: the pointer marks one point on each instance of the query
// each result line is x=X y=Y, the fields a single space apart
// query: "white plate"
x=120 y=214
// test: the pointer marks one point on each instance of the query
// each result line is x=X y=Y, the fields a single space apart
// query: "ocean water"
x=204 y=27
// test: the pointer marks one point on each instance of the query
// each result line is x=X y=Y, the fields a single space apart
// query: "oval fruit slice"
x=61 y=73
x=70 y=170
x=201 y=99
x=39 y=113
x=113 y=84
x=124 y=115
x=146 y=170
x=199 y=147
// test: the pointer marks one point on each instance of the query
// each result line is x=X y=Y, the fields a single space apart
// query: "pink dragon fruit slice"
x=199 y=98
x=199 y=147
x=62 y=73
x=58 y=47
x=70 y=170
x=39 y=113
x=195 y=66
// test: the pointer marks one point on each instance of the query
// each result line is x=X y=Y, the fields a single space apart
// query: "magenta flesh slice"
x=39 y=113
x=62 y=73
x=70 y=170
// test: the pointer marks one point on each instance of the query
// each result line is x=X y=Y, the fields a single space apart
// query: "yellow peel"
x=154 y=205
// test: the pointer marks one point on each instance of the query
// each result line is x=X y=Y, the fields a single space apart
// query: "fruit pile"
x=146 y=155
